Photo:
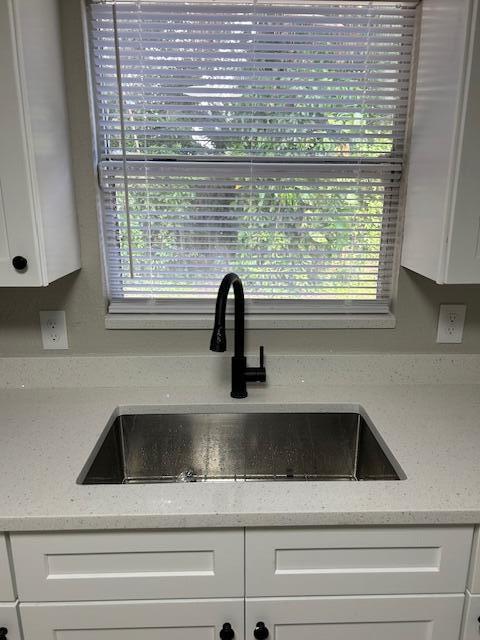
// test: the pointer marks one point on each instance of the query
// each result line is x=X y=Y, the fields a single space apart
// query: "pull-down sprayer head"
x=218 y=341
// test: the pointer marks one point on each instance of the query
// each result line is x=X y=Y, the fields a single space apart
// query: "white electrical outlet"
x=451 y=319
x=54 y=329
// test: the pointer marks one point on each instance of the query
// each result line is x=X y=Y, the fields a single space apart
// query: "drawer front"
x=358 y=618
x=176 y=620
x=6 y=588
x=341 y=561
x=128 y=565
x=9 y=620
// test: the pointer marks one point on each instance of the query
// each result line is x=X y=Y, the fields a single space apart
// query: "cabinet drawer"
x=341 y=561
x=128 y=565
x=471 y=625
x=6 y=589
x=9 y=620
x=165 y=620
x=359 y=618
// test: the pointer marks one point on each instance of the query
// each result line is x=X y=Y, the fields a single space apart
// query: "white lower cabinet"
x=471 y=625
x=300 y=583
x=147 y=620
x=356 y=618
x=6 y=587
x=324 y=618
x=9 y=620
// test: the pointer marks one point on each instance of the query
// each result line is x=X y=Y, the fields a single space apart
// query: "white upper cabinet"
x=442 y=221
x=37 y=211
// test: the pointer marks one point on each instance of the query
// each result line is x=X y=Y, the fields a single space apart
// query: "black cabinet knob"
x=19 y=264
x=227 y=633
x=261 y=632
x=3 y=633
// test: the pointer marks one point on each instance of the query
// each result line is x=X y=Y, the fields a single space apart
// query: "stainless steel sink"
x=239 y=447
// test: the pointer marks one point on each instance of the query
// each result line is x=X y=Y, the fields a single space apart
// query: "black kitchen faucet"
x=241 y=374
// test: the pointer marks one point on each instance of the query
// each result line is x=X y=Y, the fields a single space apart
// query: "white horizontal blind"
x=264 y=137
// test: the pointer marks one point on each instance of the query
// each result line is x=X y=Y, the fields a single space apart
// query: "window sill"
x=260 y=321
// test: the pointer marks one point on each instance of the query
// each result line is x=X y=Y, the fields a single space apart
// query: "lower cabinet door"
x=9 y=621
x=6 y=591
x=357 y=618
x=132 y=620
x=471 y=627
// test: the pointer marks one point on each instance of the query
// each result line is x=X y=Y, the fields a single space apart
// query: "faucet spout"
x=241 y=374
x=219 y=340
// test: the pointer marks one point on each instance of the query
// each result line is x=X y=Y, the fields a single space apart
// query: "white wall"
x=81 y=294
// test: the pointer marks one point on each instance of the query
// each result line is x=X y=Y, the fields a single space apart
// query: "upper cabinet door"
x=442 y=218
x=37 y=212
x=17 y=220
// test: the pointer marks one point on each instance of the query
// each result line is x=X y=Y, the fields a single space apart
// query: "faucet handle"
x=255 y=374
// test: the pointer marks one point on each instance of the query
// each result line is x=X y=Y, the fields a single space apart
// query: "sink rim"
x=237 y=409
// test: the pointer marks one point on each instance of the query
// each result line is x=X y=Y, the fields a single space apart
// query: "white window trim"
x=252 y=321
x=259 y=315
x=140 y=318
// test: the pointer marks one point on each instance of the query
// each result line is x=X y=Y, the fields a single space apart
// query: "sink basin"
x=148 y=448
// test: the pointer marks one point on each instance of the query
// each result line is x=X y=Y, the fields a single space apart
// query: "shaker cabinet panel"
x=162 y=620
x=362 y=560
x=6 y=588
x=359 y=618
x=129 y=565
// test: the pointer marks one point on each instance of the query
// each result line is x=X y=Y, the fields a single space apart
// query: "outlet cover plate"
x=54 y=329
x=451 y=319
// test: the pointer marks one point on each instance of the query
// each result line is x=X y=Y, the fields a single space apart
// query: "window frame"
x=172 y=313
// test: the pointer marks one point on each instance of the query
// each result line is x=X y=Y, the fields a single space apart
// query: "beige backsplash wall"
x=81 y=294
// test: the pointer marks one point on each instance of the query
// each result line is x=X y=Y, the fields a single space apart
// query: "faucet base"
x=238 y=394
x=239 y=383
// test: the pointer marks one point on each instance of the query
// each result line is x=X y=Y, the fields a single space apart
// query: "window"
x=263 y=137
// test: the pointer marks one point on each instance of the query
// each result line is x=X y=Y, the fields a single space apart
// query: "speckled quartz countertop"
x=53 y=411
